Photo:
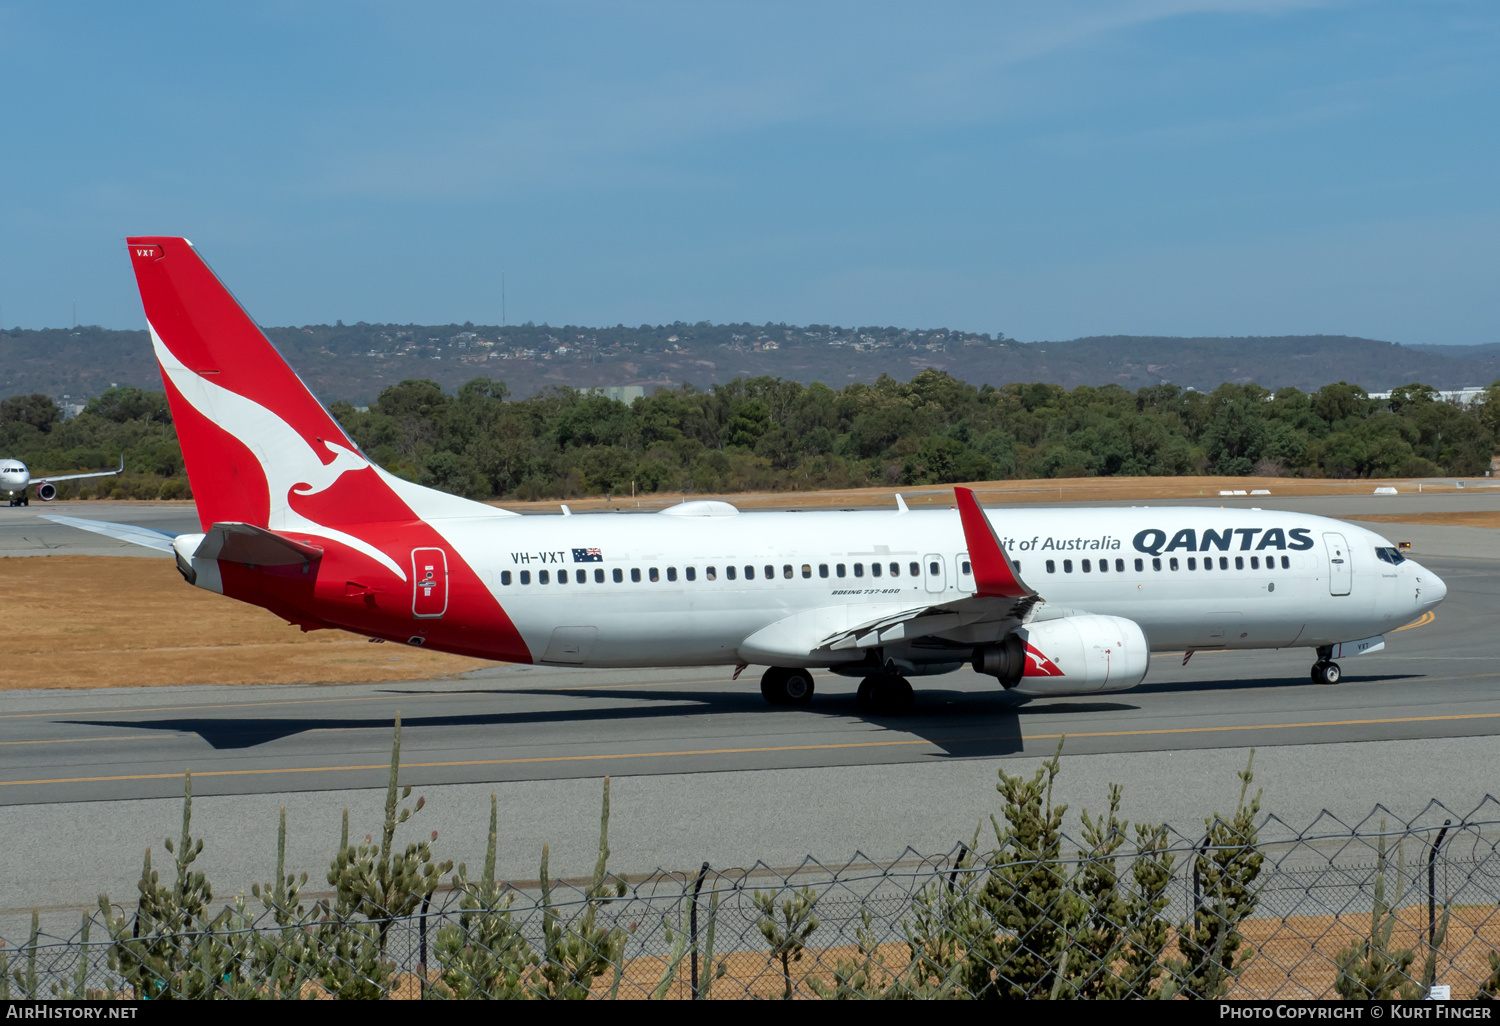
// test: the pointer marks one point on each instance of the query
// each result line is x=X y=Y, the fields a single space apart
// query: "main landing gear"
x=1325 y=670
x=781 y=686
x=885 y=696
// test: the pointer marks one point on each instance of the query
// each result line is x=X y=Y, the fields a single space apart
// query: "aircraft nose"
x=1430 y=587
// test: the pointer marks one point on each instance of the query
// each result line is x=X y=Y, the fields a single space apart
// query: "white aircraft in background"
x=297 y=520
x=15 y=479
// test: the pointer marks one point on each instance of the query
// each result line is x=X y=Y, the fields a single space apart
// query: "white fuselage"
x=1275 y=580
x=14 y=477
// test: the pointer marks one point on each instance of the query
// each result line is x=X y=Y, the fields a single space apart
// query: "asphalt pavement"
x=704 y=769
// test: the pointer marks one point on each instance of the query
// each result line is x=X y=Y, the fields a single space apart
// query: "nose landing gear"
x=1325 y=670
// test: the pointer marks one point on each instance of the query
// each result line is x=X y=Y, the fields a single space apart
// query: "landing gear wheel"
x=885 y=696
x=781 y=686
x=1326 y=673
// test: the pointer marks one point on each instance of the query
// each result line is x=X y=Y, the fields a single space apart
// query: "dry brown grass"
x=1478 y=519
x=1074 y=489
x=117 y=621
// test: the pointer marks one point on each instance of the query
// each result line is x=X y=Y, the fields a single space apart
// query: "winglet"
x=994 y=576
x=900 y=504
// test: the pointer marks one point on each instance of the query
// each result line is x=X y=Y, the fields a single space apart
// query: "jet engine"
x=46 y=491
x=1069 y=655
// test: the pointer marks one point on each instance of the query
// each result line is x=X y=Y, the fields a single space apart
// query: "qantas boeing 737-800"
x=1051 y=601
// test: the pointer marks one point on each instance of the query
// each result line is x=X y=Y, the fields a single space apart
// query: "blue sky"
x=1045 y=170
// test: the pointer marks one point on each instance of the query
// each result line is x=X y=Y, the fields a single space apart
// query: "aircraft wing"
x=159 y=540
x=999 y=594
x=74 y=477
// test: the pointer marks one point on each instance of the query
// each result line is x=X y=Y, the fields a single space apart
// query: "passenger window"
x=711 y=572
x=1254 y=562
x=806 y=570
x=966 y=568
x=1239 y=562
x=1286 y=562
x=654 y=574
x=580 y=576
x=1088 y=566
x=915 y=569
x=635 y=574
x=822 y=569
x=1140 y=564
x=859 y=569
x=1172 y=562
x=874 y=569
x=1192 y=563
x=729 y=572
x=1067 y=566
x=1120 y=566
x=786 y=571
x=1103 y=566
x=934 y=569
x=1051 y=567
x=505 y=577
x=895 y=569
x=1156 y=564
x=692 y=573
x=562 y=577
x=749 y=573
x=1017 y=565
x=838 y=571
x=598 y=576
x=542 y=577
x=671 y=573
x=525 y=576
x=771 y=572
x=618 y=574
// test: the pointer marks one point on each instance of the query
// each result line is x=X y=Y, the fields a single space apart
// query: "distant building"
x=1457 y=396
x=619 y=393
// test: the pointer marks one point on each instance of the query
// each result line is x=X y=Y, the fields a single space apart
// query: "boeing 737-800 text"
x=1050 y=601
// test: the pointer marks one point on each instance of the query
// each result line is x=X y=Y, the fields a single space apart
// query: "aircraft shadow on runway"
x=964 y=724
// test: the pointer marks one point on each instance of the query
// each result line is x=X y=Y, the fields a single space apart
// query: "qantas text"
x=1153 y=541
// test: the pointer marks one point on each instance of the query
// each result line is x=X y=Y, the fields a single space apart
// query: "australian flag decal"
x=587 y=556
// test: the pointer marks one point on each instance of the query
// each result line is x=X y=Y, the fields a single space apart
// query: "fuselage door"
x=932 y=572
x=429 y=575
x=963 y=572
x=1340 y=572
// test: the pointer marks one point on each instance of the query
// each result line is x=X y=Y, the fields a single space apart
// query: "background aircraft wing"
x=74 y=477
x=159 y=540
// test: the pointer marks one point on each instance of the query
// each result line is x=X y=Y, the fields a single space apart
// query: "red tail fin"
x=259 y=448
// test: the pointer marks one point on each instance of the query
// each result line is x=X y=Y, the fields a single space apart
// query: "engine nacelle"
x=1069 y=655
x=46 y=491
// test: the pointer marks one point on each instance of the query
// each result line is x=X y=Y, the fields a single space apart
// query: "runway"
x=704 y=769
x=531 y=723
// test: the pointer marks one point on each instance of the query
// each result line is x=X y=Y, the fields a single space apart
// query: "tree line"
x=766 y=434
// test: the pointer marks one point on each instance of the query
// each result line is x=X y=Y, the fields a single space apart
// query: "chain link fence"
x=1378 y=908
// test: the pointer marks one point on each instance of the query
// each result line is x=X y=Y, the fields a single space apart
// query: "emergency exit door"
x=429 y=576
x=1340 y=572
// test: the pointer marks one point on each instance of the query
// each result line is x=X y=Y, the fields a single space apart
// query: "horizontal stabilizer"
x=246 y=543
x=159 y=540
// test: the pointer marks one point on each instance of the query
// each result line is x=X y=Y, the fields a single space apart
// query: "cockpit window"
x=1390 y=555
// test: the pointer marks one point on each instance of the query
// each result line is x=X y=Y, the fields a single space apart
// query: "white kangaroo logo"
x=288 y=461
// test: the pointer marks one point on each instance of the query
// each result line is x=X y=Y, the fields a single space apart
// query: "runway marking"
x=1421 y=621
x=467 y=693
x=76 y=740
x=747 y=751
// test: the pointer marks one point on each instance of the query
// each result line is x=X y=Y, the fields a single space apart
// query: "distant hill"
x=355 y=362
